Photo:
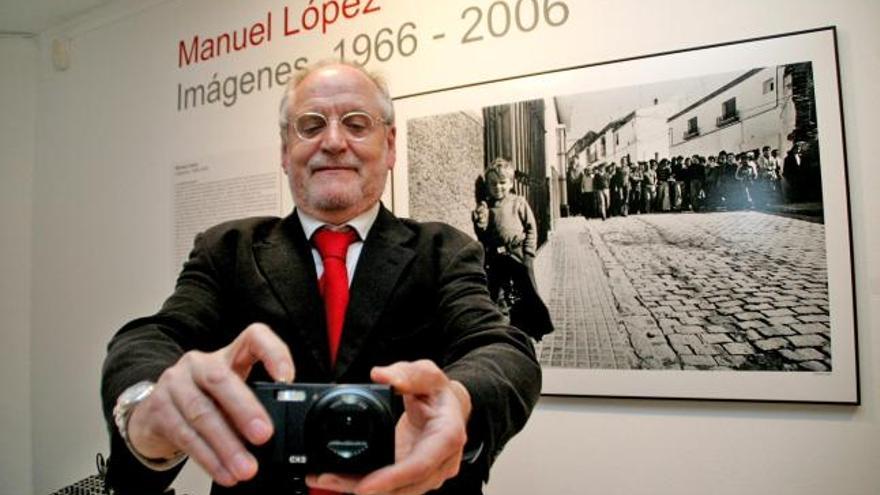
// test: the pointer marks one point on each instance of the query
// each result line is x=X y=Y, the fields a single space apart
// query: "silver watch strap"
x=122 y=427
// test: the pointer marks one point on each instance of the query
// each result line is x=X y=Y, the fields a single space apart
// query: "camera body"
x=328 y=427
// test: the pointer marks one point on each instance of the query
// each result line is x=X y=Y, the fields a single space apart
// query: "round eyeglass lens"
x=356 y=125
x=310 y=125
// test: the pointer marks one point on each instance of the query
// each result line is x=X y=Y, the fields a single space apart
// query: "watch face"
x=136 y=393
x=129 y=398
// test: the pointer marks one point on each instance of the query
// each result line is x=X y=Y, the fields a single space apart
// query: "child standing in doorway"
x=505 y=225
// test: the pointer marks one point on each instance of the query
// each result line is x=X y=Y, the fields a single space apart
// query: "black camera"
x=327 y=427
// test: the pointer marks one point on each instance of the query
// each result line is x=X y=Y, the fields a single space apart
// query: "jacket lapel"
x=382 y=261
x=285 y=260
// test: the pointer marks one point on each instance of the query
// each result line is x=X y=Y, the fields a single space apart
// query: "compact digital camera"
x=327 y=427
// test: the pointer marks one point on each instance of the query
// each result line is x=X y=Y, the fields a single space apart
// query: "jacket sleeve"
x=495 y=361
x=145 y=347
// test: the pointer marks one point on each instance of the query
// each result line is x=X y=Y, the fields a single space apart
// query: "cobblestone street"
x=728 y=290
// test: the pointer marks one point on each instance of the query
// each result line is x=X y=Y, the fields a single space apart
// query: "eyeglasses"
x=356 y=125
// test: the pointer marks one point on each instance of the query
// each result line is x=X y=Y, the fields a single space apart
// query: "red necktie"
x=333 y=246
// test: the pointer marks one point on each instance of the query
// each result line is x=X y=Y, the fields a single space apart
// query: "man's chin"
x=335 y=200
x=336 y=197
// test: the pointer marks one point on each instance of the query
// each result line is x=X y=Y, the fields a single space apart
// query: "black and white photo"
x=679 y=216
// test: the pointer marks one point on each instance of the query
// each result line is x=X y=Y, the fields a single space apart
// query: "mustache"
x=322 y=160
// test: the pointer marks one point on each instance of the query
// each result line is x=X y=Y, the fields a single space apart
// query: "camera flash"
x=291 y=396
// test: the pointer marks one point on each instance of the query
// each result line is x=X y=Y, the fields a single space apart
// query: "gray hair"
x=384 y=96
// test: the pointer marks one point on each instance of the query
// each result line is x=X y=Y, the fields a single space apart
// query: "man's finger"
x=435 y=481
x=202 y=415
x=258 y=343
x=341 y=483
x=419 y=467
x=236 y=400
x=401 y=478
x=175 y=428
x=415 y=378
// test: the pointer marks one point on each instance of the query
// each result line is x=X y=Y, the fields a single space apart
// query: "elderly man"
x=248 y=306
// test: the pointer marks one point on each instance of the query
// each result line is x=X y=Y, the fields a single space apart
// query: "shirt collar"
x=361 y=223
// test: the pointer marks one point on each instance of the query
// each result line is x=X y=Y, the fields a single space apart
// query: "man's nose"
x=333 y=139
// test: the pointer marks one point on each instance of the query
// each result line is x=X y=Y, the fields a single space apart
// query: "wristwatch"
x=125 y=404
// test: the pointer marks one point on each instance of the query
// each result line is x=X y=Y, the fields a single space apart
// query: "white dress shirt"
x=361 y=224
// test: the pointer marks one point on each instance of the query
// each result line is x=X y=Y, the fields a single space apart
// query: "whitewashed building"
x=638 y=136
x=641 y=135
x=753 y=110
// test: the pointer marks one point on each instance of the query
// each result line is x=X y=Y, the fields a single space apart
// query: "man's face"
x=334 y=177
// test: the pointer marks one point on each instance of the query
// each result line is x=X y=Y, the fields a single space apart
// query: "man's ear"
x=390 y=141
x=284 y=158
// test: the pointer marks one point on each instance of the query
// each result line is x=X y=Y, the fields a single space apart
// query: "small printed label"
x=297 y=459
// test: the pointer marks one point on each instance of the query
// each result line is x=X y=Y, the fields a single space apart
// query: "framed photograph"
x=684 y=216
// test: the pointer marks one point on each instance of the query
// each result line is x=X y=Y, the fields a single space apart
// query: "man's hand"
x=201 y=406
x=430 y=435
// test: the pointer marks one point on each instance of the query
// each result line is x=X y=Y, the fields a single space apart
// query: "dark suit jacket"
x=419 y=291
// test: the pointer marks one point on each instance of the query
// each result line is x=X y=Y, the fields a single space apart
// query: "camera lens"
x=346 y=428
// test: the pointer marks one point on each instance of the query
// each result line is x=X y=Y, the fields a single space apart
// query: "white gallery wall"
x=88 y=225
x=17 y=146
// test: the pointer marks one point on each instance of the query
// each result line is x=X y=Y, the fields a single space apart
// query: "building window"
x=729 y=114
x=769 y=85
x=728 y=108
x=693 y=129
